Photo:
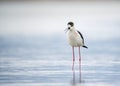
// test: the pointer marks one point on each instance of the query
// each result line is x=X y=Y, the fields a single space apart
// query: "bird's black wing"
x=81 y=36
x=82 y=39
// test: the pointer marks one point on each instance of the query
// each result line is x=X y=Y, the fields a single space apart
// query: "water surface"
x=34 y=64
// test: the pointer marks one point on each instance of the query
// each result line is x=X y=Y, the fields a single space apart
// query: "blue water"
x=28 y=61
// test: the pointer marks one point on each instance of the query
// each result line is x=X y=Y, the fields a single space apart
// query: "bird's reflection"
x=80 y=75
x=74 y=79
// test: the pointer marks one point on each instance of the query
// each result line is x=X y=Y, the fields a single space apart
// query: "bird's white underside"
x=74 y=38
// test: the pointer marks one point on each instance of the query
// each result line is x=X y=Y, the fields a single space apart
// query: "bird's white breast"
x=74 y=39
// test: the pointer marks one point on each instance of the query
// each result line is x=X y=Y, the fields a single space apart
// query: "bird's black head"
x=71 y=24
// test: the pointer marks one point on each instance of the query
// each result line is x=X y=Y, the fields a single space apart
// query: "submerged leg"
x=80 y=64
x=73 y=58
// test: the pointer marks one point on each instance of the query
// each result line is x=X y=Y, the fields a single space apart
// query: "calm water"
x=32 y=62
x=39 y=54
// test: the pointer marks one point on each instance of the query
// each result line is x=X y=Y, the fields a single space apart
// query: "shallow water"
x=34 y=51
x=34 y=65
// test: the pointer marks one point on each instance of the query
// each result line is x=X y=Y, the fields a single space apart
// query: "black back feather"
x=81 y=36
x=82 y=39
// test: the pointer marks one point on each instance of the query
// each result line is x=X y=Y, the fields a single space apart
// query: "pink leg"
x=73 y=58
x=80 y=64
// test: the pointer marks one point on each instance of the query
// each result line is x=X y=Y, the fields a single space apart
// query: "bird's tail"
x=84 y=46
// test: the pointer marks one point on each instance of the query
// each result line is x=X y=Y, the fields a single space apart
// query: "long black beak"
x=67 y=29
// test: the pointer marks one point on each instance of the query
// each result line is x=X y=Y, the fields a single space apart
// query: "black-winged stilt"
x=75 y=39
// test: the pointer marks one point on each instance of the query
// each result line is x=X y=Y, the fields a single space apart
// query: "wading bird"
x=75 y=39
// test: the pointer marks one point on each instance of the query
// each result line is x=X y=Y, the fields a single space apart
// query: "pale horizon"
x=49 y=18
